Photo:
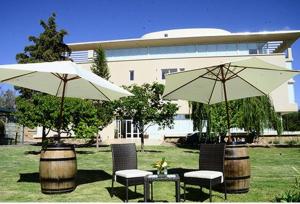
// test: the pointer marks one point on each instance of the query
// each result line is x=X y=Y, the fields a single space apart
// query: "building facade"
x=149 y=58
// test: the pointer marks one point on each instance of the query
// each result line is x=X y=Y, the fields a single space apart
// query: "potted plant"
x=161 y=166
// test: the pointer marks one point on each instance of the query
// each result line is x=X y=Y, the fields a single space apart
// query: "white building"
x=147 y=59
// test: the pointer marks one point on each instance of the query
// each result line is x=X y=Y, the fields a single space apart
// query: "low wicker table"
x=150 y=179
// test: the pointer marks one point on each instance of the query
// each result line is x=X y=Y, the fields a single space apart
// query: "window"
x=182 y=117
x=131 y=75
x=167 y=71
x=252 y=51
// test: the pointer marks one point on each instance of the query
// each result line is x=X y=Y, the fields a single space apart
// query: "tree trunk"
x=141 y=130
x=44 y=134
x=142 y=142
x=97 y=141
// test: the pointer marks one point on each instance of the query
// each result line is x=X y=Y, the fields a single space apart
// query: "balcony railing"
x=80 y=56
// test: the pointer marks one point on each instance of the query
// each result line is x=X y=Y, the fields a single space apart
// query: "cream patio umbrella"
x=227 y=81
x=62 y=79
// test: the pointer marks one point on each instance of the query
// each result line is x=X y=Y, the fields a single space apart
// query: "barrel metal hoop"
x=58 y=159
x=237 y=178
x=236 y=158
x=241 y=190
x=61 y=190
x=59 y=149
x=57 y=180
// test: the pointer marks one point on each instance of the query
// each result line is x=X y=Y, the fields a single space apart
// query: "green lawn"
x=271 y=174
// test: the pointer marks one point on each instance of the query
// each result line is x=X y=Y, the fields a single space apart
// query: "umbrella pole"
x=229 y=141
x=60 y=119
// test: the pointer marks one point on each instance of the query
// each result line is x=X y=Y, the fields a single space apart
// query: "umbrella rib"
x=60 y=77
x=15 y=77
x=217 y=79
x=73 y=78
x=188 y=82
x=211 y=71
x=227 y=69
x=212 y=91
x=99 y=91
x=57 y=75
x=235 y=74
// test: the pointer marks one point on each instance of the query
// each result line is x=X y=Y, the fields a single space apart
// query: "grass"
x=271 y=174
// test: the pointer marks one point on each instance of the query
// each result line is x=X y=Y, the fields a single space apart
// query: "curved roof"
x=190 y=32
x=192 y=36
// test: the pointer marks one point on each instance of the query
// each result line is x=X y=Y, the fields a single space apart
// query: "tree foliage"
x=256 y=113
x=291 y=121
x=99 y=66
x=83 y=117
x=49 y=46
x=8 y=99
x=105 y=109
x=80 y=116
x=251 y=114
x=146 y=108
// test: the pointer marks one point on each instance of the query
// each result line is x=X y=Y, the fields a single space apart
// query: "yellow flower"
x=161 y=165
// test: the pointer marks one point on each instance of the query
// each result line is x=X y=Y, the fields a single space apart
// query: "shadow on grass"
x=195 y=194
x=190 y=151
x=150 y=151
x=120 y=193
x=188 y=147
x=32 y=152
x=84 y=176
x=104 y=150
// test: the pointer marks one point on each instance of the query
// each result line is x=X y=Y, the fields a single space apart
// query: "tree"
x=104 y=108
x=213 y=117
x=146 y=108
x=251 y=114
x=257 y=113
x=48 y=46
x=8 y=99
x=291 y=121
x=99 y=66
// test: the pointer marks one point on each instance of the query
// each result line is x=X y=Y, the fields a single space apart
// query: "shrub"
x=291 y=142
x=276 y=142
x=292 y=195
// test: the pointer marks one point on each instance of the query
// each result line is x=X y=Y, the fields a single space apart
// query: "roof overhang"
x=287 y=38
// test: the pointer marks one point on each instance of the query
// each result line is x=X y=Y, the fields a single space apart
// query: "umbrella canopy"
x=227 y=81
x=242 y=79
x=62 y=79
x=54 y=77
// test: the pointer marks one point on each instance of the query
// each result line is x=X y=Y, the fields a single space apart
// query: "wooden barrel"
x=237 y=168
x=58 y=168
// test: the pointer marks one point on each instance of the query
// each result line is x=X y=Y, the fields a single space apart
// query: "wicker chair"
x=125 y=172
x=211 y=168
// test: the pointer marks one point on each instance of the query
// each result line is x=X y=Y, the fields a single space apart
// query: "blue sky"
x=92 y=20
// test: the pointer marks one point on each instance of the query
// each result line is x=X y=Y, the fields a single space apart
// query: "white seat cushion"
x=204 y=174
x=132 y=173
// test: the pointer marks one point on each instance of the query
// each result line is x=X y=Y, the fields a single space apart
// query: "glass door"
x=126 y=129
